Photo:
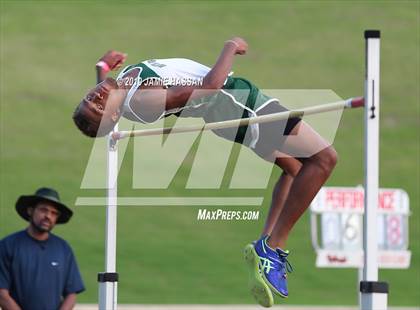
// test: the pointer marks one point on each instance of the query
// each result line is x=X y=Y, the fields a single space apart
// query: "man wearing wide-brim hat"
x=37 y=268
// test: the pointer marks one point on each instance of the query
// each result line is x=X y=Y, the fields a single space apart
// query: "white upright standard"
x=108 y=280
x=373 y=293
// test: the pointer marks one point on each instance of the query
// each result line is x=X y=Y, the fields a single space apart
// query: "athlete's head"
x=99 y=110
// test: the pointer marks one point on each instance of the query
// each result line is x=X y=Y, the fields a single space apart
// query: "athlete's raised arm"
x=178 y=96
x=112 y=60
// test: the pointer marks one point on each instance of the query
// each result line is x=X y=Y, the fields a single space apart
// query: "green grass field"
x=48 y=53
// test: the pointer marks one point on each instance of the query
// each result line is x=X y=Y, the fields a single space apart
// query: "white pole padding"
x=346 y=104
x=374 y=293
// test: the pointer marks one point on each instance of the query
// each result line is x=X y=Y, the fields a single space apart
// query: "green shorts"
x=239 y=98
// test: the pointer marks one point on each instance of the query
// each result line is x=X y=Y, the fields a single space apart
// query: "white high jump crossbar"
x=345 y=104
x=374 y=293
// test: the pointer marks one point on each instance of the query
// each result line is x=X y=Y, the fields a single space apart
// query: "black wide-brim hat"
x=43 y=194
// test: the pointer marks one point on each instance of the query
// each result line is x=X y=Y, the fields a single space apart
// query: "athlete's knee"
x=326 y=159
x=290 y=166
x=292 y=172
x=293 y=169
x=329 y=158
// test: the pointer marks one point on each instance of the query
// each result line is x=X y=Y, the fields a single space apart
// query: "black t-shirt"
x=38 y=274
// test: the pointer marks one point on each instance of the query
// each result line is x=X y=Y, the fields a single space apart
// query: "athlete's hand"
x=114 y=59
x=240 y=44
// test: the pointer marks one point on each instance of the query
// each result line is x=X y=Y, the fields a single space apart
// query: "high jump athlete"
x=156 y=88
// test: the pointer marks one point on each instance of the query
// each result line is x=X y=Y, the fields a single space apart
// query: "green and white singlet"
x=237 y=99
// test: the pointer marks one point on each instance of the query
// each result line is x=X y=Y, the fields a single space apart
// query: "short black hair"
x=86 y=125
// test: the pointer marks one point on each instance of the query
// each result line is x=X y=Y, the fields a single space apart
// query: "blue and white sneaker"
x=257 y=285
x=273 y=266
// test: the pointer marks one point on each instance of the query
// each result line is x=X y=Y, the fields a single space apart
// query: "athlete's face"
x=43 y=216
x=102 y=106
x=103 y=101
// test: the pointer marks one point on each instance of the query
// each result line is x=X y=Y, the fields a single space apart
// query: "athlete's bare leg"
x=312 y=175
x=290 y=167
x=307 y=165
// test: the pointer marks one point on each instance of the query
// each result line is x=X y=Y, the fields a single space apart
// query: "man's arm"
x=112 y=60
x=73 y=283
x=6 y=301
x=154 y=101
x=68 y=302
